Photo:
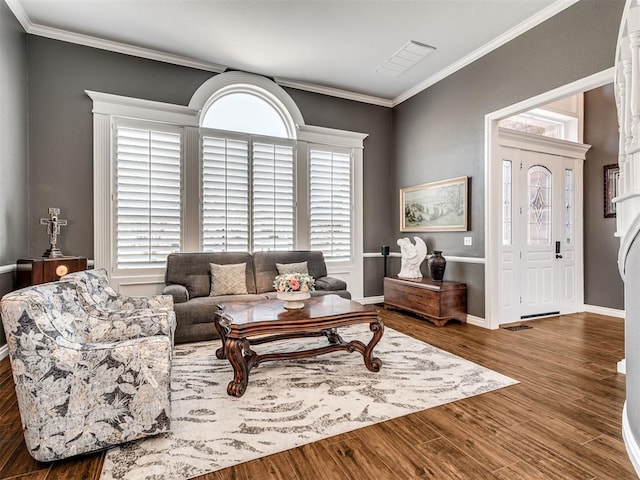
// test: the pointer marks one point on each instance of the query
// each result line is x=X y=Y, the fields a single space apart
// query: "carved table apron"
x=239 y=323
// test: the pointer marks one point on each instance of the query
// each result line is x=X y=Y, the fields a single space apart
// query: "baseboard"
x=633 y=450
x=370 y=300
x=477 y=321
x=621 y=366
x=4 y=351
x=610 y=312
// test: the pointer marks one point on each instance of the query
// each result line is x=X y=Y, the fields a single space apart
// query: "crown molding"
x=334 y=92
x=109 y=45
x=95 y=42
x=494 y=44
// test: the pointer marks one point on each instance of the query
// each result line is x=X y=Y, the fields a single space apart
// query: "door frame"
x=493 y=182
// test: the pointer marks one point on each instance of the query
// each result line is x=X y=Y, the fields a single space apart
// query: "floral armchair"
x=82 y=383
x=100 y=300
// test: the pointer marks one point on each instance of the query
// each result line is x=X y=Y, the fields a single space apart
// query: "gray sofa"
x=188 y=281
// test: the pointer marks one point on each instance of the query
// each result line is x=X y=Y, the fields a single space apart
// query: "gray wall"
x=603 y=285
x=13 y=145
x=61 y=155
x=439 y=133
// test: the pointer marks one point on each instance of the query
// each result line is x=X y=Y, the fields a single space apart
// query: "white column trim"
x=102 y=178
x=633 y=449
x=191 y=182
x=4 y=351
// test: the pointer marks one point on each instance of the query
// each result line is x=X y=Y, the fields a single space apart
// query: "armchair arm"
x=112 y=325
x=179 y=293
x=330 y=283
x=126 y=302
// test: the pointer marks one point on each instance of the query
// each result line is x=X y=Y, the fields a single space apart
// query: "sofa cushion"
x=266 y=270
x=287 y=268
x=228 y=279
x=192 y=270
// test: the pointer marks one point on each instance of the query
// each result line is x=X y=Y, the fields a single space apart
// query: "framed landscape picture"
x=434 y=207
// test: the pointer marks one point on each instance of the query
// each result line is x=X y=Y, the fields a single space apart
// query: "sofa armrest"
x=179 y=293
x=330 y=283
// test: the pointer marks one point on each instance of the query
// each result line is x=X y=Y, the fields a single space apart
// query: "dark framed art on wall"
x=611 y=178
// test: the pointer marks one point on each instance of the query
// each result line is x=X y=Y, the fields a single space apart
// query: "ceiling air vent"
x=405 y=58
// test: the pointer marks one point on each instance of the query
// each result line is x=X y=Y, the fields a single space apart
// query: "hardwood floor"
x=563 y=421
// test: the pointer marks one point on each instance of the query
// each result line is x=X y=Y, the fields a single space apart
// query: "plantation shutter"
x=147 y=196
x=225 y=195
x=273 y=196
x=330 y=203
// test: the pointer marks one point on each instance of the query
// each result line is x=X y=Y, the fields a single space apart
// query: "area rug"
x=291 y=403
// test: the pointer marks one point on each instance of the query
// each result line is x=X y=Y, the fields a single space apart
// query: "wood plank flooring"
x=563 y=421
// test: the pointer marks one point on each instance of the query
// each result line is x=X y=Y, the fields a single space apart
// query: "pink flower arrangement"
x=294 y=282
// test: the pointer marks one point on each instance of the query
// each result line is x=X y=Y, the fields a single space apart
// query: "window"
x=245 y=112
x=179 y=185
x=568 y=206
x=225 y=194
x=539 y=208
x=273 y=196
x=147 y=196
x=248 y=193
x=506 y=202
x=330 y=202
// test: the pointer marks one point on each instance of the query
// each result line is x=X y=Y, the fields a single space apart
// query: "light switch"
x=468 y=241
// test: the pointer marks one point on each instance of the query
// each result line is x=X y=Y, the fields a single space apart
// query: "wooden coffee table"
x=244 y=324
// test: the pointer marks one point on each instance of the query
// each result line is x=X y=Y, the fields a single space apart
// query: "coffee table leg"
x=373 y=363
x=233 y=349
x=222 y=331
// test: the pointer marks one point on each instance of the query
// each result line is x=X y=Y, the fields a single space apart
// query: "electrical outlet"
x=468 y=240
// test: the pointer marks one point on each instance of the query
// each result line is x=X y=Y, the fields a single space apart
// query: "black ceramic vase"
x=437 y=263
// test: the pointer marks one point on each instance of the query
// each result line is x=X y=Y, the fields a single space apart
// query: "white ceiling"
x=332 y=46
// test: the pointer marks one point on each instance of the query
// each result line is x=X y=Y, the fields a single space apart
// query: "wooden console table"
x=437 y=302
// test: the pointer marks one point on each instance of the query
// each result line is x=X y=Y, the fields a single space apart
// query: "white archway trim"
x=493 y=180
x=633 y=449
x=228 y=82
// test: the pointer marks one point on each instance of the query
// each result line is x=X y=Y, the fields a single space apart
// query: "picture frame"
x=611 y=176
x=435 y=207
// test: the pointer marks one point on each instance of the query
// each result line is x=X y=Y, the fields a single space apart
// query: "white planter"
x=293 y=300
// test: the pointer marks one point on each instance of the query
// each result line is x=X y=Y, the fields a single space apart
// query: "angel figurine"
x=412 y=257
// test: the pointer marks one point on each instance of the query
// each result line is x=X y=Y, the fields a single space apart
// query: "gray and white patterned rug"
x=291 y=403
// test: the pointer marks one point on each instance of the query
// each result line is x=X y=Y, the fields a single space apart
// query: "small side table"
x=32 y=271
x=437 y=302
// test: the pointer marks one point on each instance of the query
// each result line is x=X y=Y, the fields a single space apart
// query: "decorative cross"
x=53 y=230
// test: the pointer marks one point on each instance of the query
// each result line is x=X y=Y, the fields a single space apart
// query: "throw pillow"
x=228 y=279
x=286 y=268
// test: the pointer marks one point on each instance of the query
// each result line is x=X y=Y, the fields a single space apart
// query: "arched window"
x=235 y=170
x=248 y=168
x=246 y=112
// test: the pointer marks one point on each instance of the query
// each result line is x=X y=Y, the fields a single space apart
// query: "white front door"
x=542 y=205
x=538 y=273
